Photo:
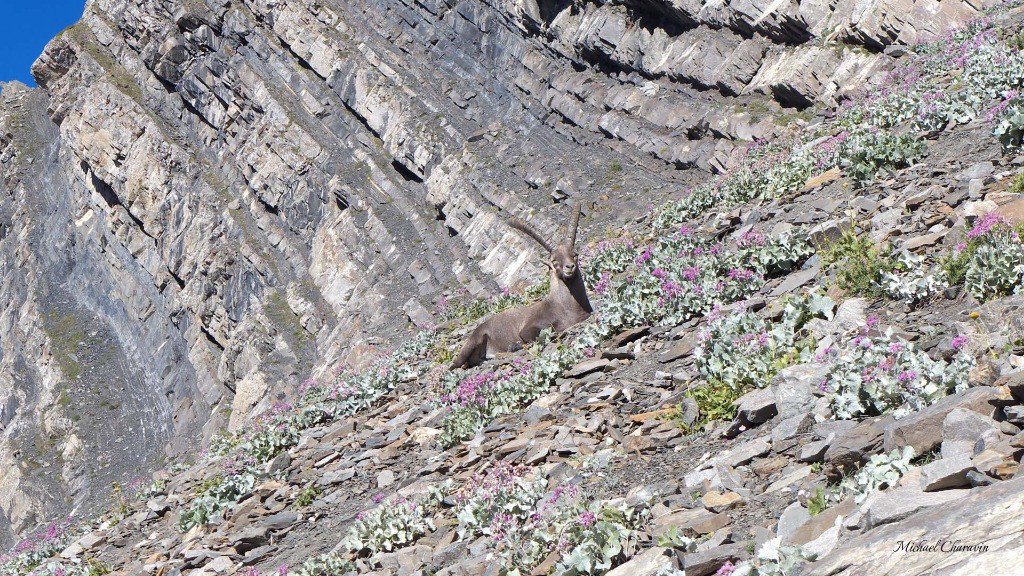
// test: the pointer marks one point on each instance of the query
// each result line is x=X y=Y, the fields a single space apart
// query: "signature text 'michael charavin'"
x=938 y=546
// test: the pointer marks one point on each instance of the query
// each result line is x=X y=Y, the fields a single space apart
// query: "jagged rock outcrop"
x=208 y=200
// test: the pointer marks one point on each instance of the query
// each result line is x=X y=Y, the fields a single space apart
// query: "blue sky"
x=25 y=28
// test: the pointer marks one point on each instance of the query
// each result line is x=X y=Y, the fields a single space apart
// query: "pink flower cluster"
x=985 y=224
x=755 y=342
x=726 y=569
x=52 y=535
x=741 y=274
x=751 y=238
x=829 y=148
x=587 y=519
x=906 y=377
x=644 y=256
x=1000 y=108
x=472 y=390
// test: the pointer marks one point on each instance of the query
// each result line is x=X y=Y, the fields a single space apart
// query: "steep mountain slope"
x=229 y=196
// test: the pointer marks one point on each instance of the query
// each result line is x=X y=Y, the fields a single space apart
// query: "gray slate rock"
x=961 y=430
x=756 y=407
x=1014 y=414
x=923 y=430
x=793 y=517
x=708 y=562
x=991 y=516
x=905 y=501
x=946 y=473
x=647 y=563
x=794 y=388
x=853 y=447
x=744 y=453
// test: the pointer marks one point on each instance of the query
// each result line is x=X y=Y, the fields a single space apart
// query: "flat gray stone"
x=991 y=516
x=744 y=453
x=814 y=451
x=756 y=406
x=647 y=563
x=681 y=349
x=961 y=430
x=793 y=517
x=946 y=473
x=281 y=520
x=709 y=561
x=790 y=428
x=588 y=367
x=794 y=388
x=853 y=447
x=824 y=543
x=385 y=478
x=1014 y=414
x=789 y=479
x=923 y=430
x=796 y=280
x=905 y=501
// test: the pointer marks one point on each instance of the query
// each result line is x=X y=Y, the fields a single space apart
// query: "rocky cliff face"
x=207 y=200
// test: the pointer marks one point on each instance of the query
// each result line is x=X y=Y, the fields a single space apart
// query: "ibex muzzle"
x=565 y=305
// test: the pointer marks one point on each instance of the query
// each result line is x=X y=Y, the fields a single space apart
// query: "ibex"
x=565 y=305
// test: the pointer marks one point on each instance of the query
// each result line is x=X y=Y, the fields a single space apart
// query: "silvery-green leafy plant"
x=30 y=552
x=392 y=524
x=880 y=472
x=497 y=500
x=874 y=375
x=481 y=396
x=995 y=258
x=215 y=498
x=590 y=537
x=674 y=538
x=281 y=427
x=773 y=559
x=744 y=349
x=1009 y=116
x=329 y=564
x=913 y=281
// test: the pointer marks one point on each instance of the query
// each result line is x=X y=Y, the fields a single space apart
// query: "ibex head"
x=562 y=258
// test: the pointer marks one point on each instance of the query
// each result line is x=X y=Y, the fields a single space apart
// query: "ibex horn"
x=574 y=226
x=525 y=228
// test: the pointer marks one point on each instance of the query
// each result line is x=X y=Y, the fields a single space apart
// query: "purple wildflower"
x=986 y=224
x=587 y=519
x=906 y=376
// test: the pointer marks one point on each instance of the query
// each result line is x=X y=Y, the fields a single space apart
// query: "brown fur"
x=565 y=305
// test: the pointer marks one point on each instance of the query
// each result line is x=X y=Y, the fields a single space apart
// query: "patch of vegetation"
x=926 y=458
x=285 y=319
x=818 y=503
x=954 y=266
x=306 y=497
x=715 y=403
x=120 y=77
x=857 y=264
x=1017 y=184
x=64 y=398
x=65 y=333
x=757 y=109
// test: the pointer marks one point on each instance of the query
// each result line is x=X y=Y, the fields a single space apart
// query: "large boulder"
x=988 y=525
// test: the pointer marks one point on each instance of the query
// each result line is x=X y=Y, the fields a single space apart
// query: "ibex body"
x=565 y=305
